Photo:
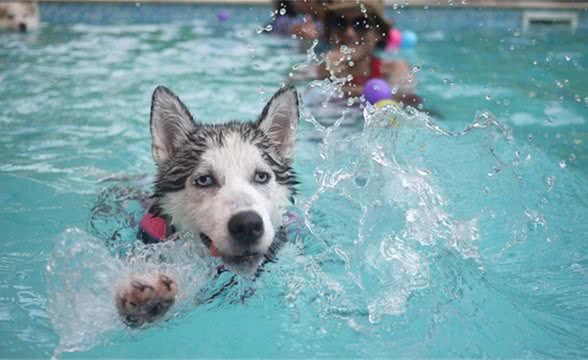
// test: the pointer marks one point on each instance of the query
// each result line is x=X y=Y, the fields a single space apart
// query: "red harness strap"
x=154 y=229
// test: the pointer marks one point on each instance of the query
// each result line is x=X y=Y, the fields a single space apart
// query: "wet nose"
x=246 y=227
x=22 y=27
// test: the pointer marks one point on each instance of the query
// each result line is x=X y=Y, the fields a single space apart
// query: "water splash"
x=83 y=277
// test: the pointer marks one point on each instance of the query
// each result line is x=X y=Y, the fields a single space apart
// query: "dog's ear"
x=171 y=122
x=279 y=120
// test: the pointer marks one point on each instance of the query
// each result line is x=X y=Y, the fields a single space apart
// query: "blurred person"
x=355 y=30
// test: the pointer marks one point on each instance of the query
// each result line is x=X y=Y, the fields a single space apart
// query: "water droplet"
x=572 y=157
x=516 y=33
x=548 y=59
x=578 y=98
x=586 y=101
x=550 y=182
x=506 y=102
x=262 y=90
x=269 y=27
x=488 y=97
x=495 y=170
x=559 y=84
x=530 y=138
x=282 y=11
x=351 y=64
x=535 y=62
x=448 y=82
x=562 y=164
x=416 y=68
x=259 y=29
x=395 y=6
x=568 y=58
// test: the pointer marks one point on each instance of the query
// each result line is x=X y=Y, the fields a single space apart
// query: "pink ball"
x=394 y=39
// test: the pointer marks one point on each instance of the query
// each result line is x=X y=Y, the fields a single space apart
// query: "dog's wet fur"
x=229 y=184
x=19 y=15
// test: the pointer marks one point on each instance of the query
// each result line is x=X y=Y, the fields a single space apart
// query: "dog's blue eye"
x=204 y=181
x=261 y=177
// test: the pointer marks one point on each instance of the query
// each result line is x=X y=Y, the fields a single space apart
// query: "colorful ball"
x=409 y=39
x=223 y=15
x=394 y=39
x=385 y=102
x=376 y=90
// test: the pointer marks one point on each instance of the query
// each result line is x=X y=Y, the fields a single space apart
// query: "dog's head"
x=230 y=184
x=19 y=15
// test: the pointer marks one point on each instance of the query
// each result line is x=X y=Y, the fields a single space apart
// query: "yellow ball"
x=386 y=102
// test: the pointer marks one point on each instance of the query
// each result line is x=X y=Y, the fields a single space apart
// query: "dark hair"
x=331 y=18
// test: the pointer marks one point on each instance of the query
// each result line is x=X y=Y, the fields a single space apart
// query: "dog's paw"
x=145 y=299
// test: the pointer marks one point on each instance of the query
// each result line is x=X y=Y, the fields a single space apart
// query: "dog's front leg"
x=145 y=298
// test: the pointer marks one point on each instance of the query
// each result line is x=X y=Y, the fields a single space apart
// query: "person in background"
x=355 y=30
x=302 y=18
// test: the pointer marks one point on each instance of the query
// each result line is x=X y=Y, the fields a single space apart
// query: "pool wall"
x=422 y=17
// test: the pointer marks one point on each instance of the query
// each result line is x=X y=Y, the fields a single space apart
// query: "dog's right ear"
x=279 y=120
x=171 y=122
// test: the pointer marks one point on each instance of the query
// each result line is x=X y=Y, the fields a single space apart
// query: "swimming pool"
x=417 y=241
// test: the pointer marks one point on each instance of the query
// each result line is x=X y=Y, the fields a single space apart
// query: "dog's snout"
x=246 y=227
x=22 y=27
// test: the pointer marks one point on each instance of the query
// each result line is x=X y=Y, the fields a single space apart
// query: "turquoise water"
x=417 y=241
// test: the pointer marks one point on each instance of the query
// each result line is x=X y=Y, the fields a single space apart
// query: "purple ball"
x=223 y=15
x=377 y=89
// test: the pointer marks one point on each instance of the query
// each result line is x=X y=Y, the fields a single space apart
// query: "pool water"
x=459 y=235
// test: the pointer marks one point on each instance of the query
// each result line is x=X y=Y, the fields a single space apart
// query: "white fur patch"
x=208 y=210
x=19 y=15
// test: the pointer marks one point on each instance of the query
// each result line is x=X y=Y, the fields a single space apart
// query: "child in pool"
x=355 y=29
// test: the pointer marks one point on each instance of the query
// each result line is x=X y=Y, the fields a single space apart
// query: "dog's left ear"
x=279 y=120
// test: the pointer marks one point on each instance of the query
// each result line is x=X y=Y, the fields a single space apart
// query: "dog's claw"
x=145 y=300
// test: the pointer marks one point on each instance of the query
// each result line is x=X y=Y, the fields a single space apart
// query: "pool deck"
x=505 y=4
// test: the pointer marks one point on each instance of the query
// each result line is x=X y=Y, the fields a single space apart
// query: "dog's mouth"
x=241 y=258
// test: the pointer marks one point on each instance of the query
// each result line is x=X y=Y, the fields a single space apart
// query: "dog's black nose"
x=246 y=227
x=22 y=27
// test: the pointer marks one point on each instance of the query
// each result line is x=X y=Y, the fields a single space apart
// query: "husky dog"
x=19 y=15
x=229 y=184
